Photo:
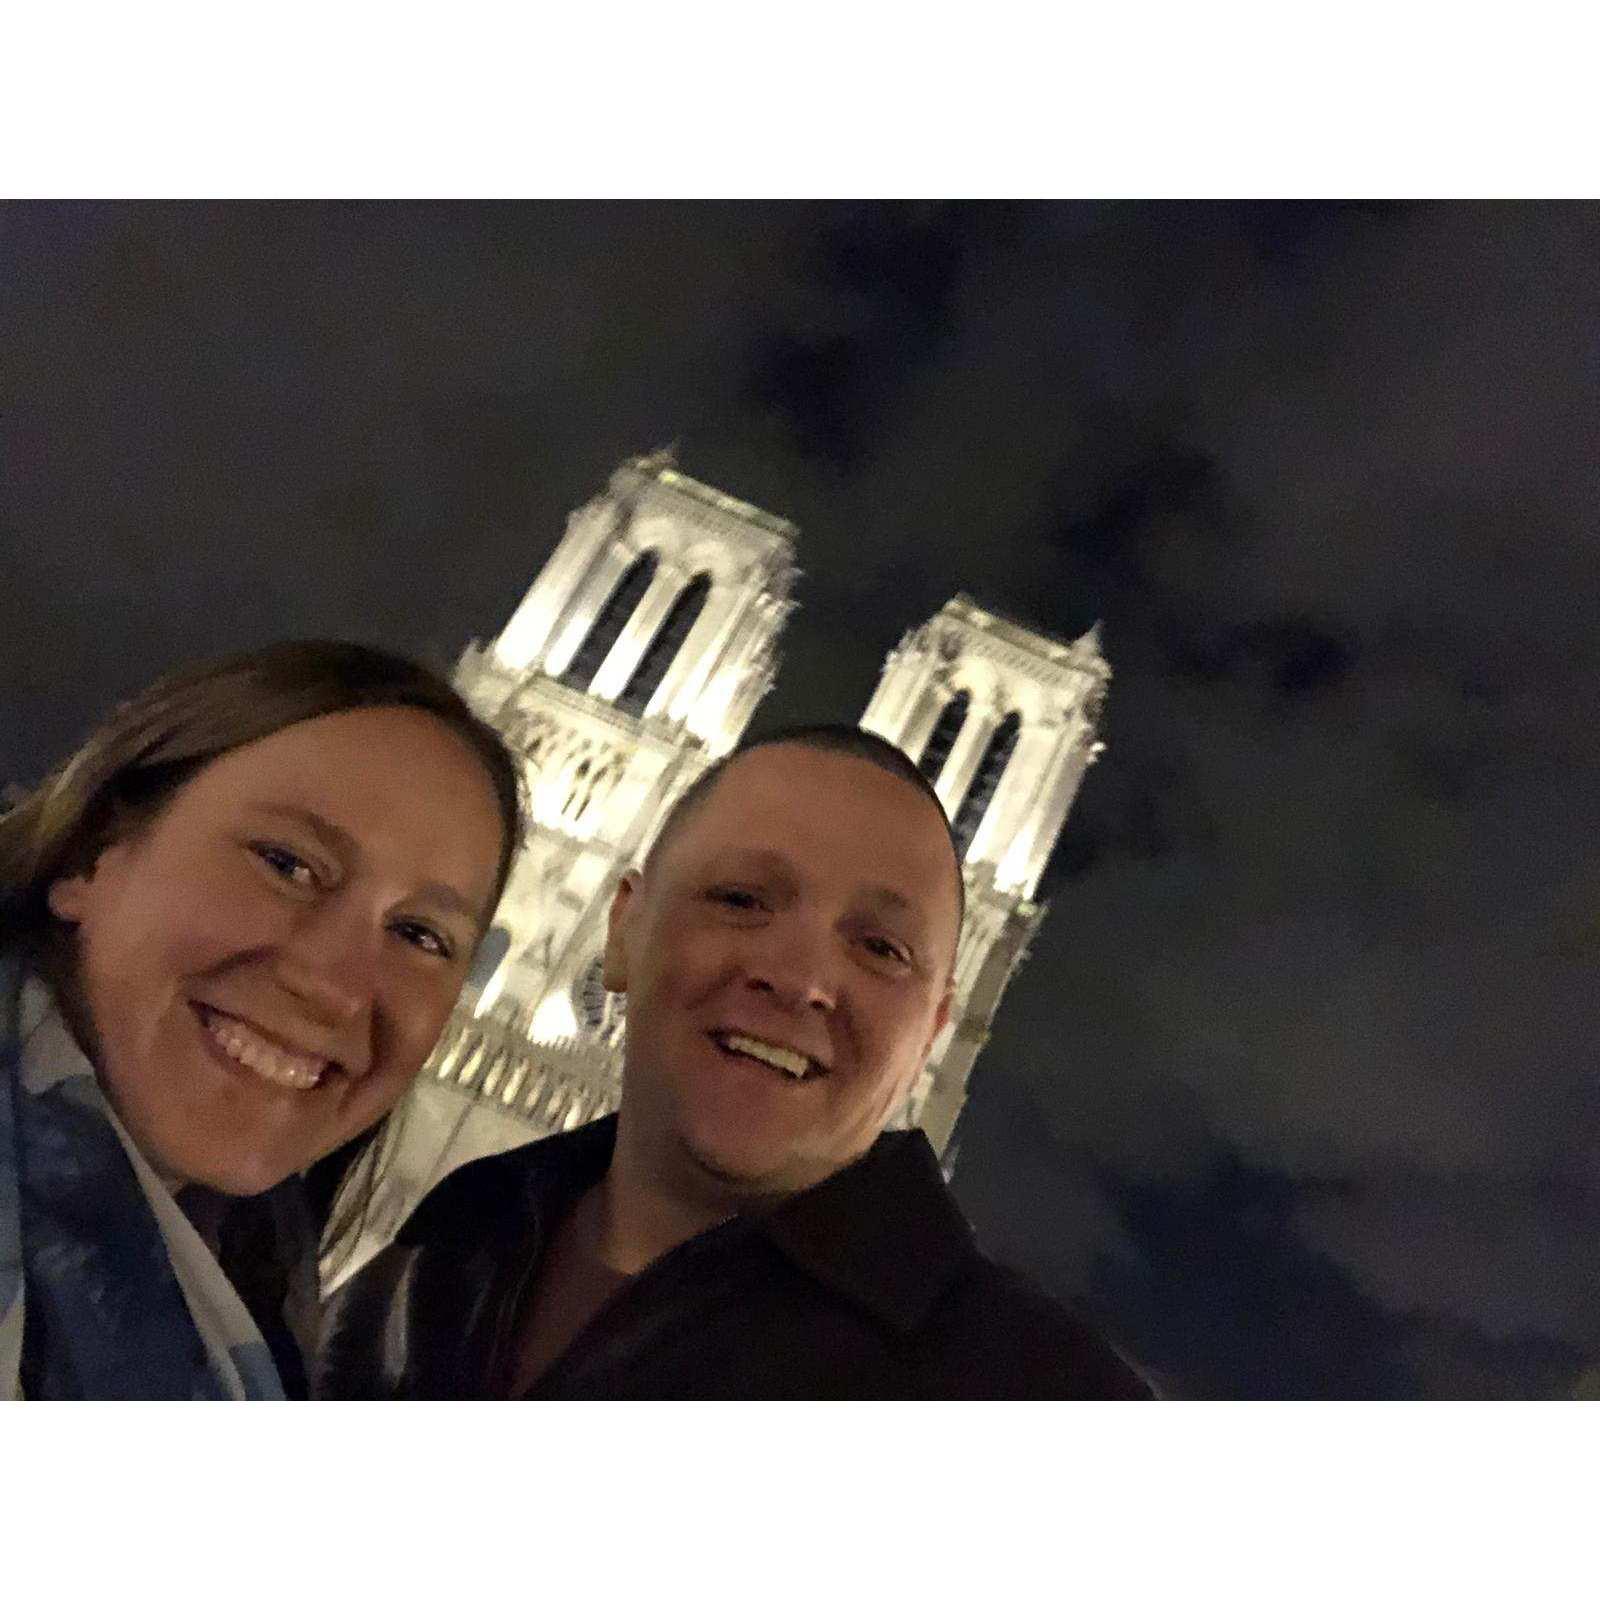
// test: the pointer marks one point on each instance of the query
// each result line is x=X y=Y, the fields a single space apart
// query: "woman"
x=232 y=926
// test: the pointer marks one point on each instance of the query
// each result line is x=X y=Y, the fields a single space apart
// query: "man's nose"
x=795 y=966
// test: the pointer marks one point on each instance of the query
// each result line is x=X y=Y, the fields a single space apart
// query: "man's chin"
x=738 y=1174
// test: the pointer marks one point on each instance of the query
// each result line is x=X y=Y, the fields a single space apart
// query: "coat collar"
x=883 y=1232
x=502 y=1197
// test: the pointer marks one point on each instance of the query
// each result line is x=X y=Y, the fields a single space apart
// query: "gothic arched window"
x=607 y=627
x=942 y=740
x=664 y=647
x=985 y=781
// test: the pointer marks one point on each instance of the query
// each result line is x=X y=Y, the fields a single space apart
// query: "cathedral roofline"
x=1080 y=652
x=661 y=467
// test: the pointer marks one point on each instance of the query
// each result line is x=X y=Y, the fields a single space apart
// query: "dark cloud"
x=887 y=277
x=1294 y=657
x=1298 y=1083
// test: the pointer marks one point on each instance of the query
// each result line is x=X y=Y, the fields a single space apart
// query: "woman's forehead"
x=376 y=744
x=377 y=773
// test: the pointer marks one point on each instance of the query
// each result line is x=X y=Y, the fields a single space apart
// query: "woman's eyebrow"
x=451 y=901
x=333 y=837
x=330 y=834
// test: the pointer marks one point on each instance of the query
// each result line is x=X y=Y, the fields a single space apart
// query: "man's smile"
x=793 y=1064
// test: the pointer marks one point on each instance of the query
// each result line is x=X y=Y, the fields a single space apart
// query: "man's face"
x=264 y=967
x=804 y=912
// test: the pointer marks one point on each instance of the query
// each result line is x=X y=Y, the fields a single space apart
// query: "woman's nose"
x=330 y=963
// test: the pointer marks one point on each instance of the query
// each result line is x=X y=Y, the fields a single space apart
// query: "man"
x=743 y=1227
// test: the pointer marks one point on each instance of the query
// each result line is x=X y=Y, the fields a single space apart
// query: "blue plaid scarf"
x=106 y=1290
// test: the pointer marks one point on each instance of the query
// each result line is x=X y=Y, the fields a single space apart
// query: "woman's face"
x=265 y=966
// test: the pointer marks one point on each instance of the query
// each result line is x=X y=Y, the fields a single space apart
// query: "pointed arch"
x=663 y=649
x=943 y=738
x=996 y=757
x=612 y=618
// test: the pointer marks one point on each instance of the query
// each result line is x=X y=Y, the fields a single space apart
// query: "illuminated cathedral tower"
x=635 y=660
x=1003 y=722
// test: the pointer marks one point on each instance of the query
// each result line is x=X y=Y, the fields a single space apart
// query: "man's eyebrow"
x=911 y=918
x=335 y=838
x=752 y=860
x=879 y=895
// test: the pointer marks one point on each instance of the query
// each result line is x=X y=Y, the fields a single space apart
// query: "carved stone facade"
x=635 y=660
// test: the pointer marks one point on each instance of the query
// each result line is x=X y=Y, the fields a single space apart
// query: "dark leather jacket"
x=868 y=1286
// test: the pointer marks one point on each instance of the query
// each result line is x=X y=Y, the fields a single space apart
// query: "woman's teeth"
x=287 y=1068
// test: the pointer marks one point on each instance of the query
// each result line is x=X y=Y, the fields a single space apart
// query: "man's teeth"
x=267 y=1060
x=775 y=1055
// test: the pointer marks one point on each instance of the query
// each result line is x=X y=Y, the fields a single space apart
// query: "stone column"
x=1054 y=802
x=534 y=623
x=967 y=752
x=665 y=587
x=724 y=621
x=901 y=689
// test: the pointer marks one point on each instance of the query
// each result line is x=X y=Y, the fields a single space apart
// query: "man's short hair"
x=842 y=738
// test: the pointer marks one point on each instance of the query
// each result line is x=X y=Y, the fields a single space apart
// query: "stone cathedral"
x=636 y=660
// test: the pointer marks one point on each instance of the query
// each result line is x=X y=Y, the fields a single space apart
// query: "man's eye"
x=887 y=949
x=737 y=899
x=285 y=863
x=425 y=938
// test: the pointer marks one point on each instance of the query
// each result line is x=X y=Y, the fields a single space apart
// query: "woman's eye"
x=285 y=863
x=425 y=938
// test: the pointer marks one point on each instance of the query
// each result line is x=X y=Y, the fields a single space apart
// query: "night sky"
x=1298 y=1088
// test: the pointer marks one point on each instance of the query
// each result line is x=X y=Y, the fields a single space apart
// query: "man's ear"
x=614 y=968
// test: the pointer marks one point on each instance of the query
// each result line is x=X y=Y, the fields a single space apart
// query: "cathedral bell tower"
x=1002 y=721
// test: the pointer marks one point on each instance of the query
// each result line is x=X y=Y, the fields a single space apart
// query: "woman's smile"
x=241 y=1044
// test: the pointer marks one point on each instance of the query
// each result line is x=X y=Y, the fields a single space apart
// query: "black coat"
x=869 y=1286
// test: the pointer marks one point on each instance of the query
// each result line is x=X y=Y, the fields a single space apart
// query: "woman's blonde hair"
x=151 y=745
